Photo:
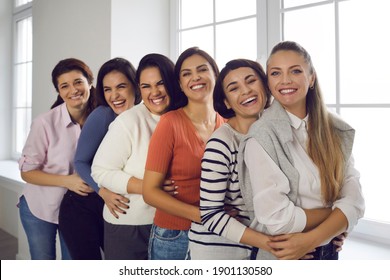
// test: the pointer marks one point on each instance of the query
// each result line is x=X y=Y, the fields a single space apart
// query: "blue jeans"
x=41 y=235
x=326 y=252
x=167 y=244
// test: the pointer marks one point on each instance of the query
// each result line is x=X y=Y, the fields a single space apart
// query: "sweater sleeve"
x=351 y=201
x=93 y=132
x=270 y=187
x=111 y=158
x=215 y=180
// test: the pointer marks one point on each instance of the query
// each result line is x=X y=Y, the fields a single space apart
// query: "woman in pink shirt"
x=47 y=158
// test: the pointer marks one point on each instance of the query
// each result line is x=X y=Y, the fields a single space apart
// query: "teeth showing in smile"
x=157 y=101
x=75 y=97
x=197 y=87
x=119 y=103
x=287 y=91
x=249 y=100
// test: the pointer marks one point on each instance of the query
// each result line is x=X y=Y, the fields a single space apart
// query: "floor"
x=8 y=246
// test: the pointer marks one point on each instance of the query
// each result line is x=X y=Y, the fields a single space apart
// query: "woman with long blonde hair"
x=297 y=165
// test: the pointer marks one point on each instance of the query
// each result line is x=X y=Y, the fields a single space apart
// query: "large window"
x=226 y=29
x=348 y=45
x=347 y=40
x=22 y=73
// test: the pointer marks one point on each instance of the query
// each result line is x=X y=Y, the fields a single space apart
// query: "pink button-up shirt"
x=50 y=147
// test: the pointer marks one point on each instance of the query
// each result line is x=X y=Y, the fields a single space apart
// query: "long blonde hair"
x=324 y=145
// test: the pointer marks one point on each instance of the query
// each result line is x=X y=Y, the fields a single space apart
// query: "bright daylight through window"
x=348 y=44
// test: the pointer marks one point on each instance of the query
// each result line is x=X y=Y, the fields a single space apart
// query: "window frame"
x=19 y=13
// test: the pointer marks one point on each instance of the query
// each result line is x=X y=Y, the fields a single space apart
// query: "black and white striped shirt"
x=219 y=192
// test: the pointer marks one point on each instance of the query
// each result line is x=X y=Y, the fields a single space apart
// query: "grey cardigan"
x=273 y=132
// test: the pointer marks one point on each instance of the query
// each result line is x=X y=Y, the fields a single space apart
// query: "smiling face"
x=245 y=93
x=153 y=91
x=74 y=89
x=197 y=78
x=289 y=78
x=118 y=92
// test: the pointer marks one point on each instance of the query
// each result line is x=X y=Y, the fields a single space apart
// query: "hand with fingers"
x=291 y=246
x=169 y=187
x=116 y=203
x=339 y=241
x=74 y=183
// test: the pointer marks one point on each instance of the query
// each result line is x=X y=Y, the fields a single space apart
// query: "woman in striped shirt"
x=240 y=95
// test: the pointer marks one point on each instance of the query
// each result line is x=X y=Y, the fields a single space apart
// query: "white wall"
x=5 y=77
x=93 y=31
x=62 y=29
x=139 y=27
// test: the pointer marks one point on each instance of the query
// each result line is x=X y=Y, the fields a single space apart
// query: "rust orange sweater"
x=176 y=150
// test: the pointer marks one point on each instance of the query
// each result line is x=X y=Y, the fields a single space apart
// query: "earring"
x=312 y=87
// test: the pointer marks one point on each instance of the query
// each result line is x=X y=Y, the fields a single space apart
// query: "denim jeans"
x=167 y=244
x=326 y=252
x=41 y=235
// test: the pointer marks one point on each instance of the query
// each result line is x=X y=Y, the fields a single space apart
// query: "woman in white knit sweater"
x=120 y=160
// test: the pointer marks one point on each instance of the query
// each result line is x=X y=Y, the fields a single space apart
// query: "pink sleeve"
x=35 y=148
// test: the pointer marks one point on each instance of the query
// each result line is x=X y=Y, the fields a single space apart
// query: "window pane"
x=202 y=38
x=196 y=13
x=364 y=53
x=21 y=2
x=230 y=9
x=24 y=40
x=371 y=152
x=22 y=123
x=23 y=84
x=318 y=38
x=236 y=40
x=294 y=3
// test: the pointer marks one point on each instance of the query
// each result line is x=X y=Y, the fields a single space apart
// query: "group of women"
x=181 y=161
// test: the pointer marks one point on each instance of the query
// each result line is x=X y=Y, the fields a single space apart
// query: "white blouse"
x=273 y=208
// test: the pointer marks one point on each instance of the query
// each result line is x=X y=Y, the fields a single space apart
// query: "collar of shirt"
x=297 y=122
x=65 y=116
x=300 y=128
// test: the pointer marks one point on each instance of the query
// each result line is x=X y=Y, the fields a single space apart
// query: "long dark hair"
x=166 y=68
x=219 y=94
x=123 y=66
x=183 y=56
x=68 y=65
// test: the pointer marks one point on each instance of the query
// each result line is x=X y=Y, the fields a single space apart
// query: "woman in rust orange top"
x=175 y=152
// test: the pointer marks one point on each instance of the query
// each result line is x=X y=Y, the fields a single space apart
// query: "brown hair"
x=324 y=145
x=71 y=64
x=183 y=56
x=219 y=94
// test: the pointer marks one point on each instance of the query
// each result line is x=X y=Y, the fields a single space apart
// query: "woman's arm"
x=155 y=196
x=72 y=182
x=347 y=210
x=92 y=134
x=295 y=246
x=111 y=158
